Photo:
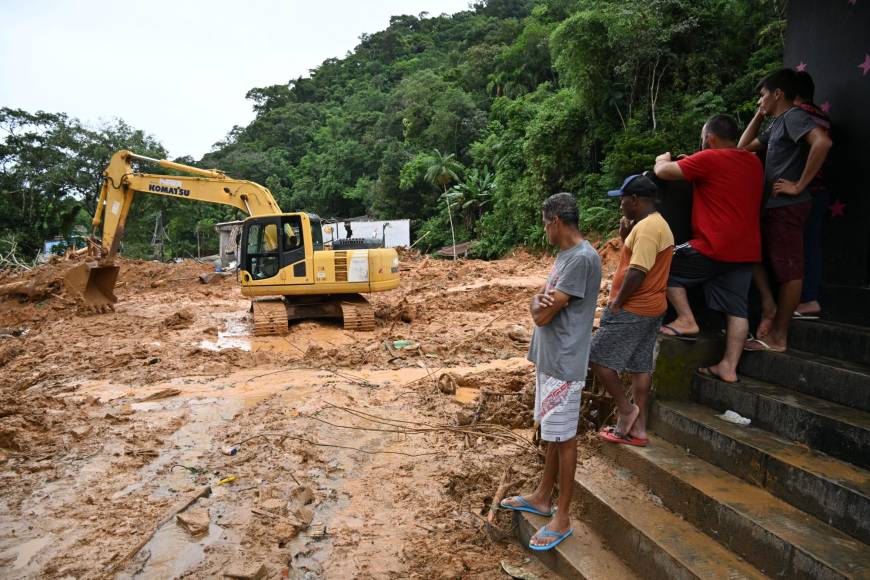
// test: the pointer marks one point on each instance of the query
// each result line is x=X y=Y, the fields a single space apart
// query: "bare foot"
x=558 y=525
x=756 y=344
x=766 y=324
x=716 y=371
x=624 y=423
x=638 y=430
x=690 y=329
x=809 y=308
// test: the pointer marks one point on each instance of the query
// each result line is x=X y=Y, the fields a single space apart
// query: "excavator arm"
x=121 y=183
x=94 y=283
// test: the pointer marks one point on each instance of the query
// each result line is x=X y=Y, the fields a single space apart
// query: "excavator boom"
x=94 y=283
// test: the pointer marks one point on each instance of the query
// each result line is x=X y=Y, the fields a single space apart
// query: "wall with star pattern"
x=830 y=39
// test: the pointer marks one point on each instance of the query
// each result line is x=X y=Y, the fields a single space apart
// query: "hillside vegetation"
x=484 y=113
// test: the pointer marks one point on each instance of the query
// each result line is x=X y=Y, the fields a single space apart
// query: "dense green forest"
x=474 y=117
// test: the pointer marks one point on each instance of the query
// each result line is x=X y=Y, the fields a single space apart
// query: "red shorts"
x=783 y=229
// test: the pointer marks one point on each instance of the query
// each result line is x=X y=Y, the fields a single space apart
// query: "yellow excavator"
x=284 y=265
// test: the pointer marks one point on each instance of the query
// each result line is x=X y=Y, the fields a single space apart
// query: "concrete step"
x=843 y=382
x=831 y=339
x=839 y=431
x=833 y=491
x=779 y=539
x=653 y=541
x=850 y=304
x=583 y=555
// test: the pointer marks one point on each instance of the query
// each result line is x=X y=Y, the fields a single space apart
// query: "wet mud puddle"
x=172 y=550
x=236 y=332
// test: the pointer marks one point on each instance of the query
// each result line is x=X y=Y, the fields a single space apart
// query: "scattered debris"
x=519 y=334
x=162 y=394
x=194 y=521
x=405 y=345
x=517 y=572
x=735 y=418
x=118 y=564
x=180 y=319
x=246 y=572
x=447 y=383
x=213 y=277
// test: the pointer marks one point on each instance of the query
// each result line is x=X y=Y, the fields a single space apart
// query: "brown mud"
x=322 y=453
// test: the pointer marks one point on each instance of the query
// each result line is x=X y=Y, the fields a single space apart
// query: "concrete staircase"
x=787 y=497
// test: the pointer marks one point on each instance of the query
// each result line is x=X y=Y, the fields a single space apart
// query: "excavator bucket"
x=93 y=284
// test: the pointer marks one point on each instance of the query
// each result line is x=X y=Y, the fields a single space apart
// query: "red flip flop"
x=610 y=434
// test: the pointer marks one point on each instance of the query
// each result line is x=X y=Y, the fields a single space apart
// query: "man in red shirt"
x=727 y=188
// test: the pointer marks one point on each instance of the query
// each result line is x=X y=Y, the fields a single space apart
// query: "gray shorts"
x=625 y=341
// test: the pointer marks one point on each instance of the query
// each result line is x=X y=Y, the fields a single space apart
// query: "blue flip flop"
x=548 y=534
x=525 y=507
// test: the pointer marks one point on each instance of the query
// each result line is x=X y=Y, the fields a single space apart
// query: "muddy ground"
x=162 y=440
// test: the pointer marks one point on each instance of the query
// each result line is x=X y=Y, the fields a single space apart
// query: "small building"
x=230 y=236
x=392 y=233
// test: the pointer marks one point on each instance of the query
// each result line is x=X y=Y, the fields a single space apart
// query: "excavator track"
x=358 y=315
x=270 y=318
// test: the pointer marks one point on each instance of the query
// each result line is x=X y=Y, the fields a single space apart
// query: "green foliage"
x=442 y=169
x=533 y=97
x=51 y=171
x=473 y=196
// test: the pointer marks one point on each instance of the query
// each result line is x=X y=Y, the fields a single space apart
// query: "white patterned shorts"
x=557 y=407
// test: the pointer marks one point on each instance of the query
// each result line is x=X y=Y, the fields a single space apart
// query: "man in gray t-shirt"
x=786 y=154
x=561 y=347
x=795 y=148
x=563 y=312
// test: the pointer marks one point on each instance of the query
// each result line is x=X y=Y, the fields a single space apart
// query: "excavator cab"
x=280 y=246
x=261 y=255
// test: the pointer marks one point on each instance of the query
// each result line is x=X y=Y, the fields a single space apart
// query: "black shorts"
x=726 y=284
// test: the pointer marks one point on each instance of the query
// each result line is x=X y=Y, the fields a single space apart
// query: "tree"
x=442 y=172
x=473 y=196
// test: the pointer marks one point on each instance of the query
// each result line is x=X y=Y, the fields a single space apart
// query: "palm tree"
x=474 y=194
x=442 y=171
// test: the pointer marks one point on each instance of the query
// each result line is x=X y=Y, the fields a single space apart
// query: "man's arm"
x=540 y=298
x=546 y=305
x=820 y=144
x=634 y=277
x=749 y=139
x=666 y=168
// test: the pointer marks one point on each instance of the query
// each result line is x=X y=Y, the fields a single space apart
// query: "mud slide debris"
x=112 y=426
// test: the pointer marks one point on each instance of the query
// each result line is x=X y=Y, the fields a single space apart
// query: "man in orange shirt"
x=630 y=324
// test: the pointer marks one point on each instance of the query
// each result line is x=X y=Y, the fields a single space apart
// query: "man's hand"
x=625 y=226
x=785 y=187
x=547 y=304
x=544 y=300
x=664 y=157
x=614 y=307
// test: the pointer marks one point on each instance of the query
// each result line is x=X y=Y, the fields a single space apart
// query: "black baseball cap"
x=640 y=185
